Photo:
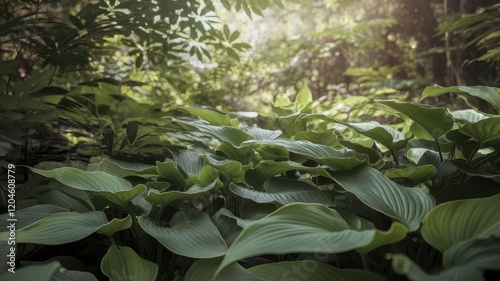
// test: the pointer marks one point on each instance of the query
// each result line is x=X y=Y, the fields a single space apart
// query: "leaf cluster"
x=304 y=194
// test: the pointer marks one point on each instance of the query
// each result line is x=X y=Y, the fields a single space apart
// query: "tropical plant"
x=308 y=197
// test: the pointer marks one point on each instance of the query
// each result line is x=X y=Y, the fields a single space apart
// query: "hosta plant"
x=302 y=197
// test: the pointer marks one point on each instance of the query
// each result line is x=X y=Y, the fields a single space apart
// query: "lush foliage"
x=224 y=199
x=339 y=181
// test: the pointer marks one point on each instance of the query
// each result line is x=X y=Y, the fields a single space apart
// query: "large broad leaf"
x=484 y=130
x=396 y=233
x=297 y=228
x=262 y=134
x=232 y=169
x=407 y=205
x=385 y=135
x=109 y=186
x=176 y=198
x=310 y=270
x=426 y=156
x=466 y=261
x=489 y=94
x=51 y=271
x=267 y=168
x=283 y=191
x=30 y=215
x=435 y=120
x=203 y=269
x=459 y=221
x=468 y=168
x=336 y=159
x=227 y=134
x=170 y=171
x=69 y=198
x=123 y=263
x=59 y=228
x=190 y=162
x=477 y=254
x=116 y=225
x=189 y=235
x=211 y=116
x=468 y=115
x=5 y=147
x=303 y=99
x=124 y=169
x=228 y=225
x=415 y=174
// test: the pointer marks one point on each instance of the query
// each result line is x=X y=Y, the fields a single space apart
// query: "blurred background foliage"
x=97 y=65
x=241 y=54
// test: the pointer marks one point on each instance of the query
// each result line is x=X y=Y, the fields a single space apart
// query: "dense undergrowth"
x=191 y=193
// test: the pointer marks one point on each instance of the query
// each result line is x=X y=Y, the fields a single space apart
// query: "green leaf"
x=268 y=168
x=283 y=191
x=202 y=270
x=69 y=198
x=42 y=272
x=427 y=156
x=226 y=4
x=190 y=162
x=256 y=211
x=59 y=228
x=132 y=128
x=489 y=94
x=310 y=270
x=462 y=220
x=415 y=174
x=385 y=135
x=116 y=225
x=336 y=159
x=303 y=99
x=211 y=116
x=468 y=115
x=190 y=235
x=407 y=205
x=123 y=263
x=169 y=171
x=297 y=228
x=484 y=130
x=227 y=32
x=476 y=254
x=469 y=169
x=51 y=271
x=435 y=120
x=176 y=198
x=396 y=233
x=124 y=169
x=228 y=225
x=228 y=134
x=262 y=134
x=5 y=147
x=111 y=187
x=31 y=214
x=465 y=261
x=231 y=168
x=401 y=264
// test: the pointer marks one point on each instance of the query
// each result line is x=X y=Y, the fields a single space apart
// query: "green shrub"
x=315 y=198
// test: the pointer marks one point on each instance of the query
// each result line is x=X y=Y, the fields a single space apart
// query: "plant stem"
x=476 y=148
x=363 y=260
x=394 y=157
x=439 y=150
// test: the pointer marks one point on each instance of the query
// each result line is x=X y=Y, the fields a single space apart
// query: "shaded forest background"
x=236 y=56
